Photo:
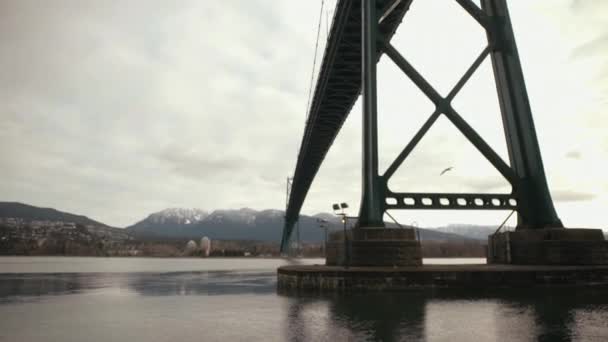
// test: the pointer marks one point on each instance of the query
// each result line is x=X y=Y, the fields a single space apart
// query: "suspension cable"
x=314 y=60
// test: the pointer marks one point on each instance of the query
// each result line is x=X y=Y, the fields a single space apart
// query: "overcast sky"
x=116 y=109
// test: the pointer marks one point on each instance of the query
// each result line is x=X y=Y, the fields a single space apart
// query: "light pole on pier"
x=323 y=225
x=339 y=210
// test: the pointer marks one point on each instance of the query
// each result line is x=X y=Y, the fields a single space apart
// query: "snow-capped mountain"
x=245 y=224
x=229 y=224
x=237 y=224
x=243 y=215
x=241 y=224
x=178 y=216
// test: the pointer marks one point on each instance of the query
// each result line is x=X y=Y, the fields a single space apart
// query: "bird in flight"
x=446 y=170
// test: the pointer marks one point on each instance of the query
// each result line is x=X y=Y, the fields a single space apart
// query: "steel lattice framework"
x=360 y=33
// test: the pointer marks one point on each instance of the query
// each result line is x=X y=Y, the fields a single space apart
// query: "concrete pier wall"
x=549 y=247
x=374 y=247
x=341 y=279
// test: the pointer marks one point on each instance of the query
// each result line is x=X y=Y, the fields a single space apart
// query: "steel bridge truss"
x=530 y=195
x=443 y=106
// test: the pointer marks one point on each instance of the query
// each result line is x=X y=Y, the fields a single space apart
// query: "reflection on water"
x=203 y=283
x=234 y=304
x=381 y=317
x=16 y=286
x=528 y=315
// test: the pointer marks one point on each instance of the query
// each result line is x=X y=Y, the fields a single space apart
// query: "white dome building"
x=190 y=246
x=205 y=246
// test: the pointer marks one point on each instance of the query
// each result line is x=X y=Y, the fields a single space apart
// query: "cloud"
x=572 y=196
x=197 y=165
x=494 y=185
x=588 y=6
x=574 y=155
x=148 y=104
x=596 y=46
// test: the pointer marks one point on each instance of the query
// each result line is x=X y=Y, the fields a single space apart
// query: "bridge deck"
x=338 y=87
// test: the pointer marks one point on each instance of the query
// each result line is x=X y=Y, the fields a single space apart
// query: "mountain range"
x=229 y=224
x=248 y=224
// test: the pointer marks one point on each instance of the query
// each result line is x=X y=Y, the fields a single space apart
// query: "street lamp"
x=415 y=226
x=339 y=211
x=323 y=225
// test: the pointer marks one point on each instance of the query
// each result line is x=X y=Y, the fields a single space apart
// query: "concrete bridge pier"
x=549 y=246
x=374 y=247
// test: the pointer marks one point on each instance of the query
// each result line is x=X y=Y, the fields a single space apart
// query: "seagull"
x=446 y=170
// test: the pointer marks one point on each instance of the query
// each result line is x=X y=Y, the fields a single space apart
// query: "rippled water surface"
x=145 y=299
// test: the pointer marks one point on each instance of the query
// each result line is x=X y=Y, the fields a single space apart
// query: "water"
x=147 y=299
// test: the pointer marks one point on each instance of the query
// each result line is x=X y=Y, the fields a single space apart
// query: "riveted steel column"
x=371 y=211
x=534 y=200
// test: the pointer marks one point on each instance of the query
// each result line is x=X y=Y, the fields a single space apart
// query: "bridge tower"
x=360 y=34
x=530 y=195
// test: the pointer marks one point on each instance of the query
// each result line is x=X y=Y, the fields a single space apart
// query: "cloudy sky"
x=116 y=109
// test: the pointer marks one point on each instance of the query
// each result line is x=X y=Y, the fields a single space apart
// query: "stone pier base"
x=374 y=247
x=557 y=246
x=321 y=278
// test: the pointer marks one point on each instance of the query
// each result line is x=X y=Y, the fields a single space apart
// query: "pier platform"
x=322 y=278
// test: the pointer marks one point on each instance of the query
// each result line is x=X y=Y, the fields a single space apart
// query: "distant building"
x=190 y=246
x=69 y=225
x=205 y=246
